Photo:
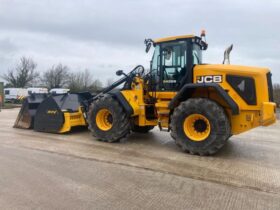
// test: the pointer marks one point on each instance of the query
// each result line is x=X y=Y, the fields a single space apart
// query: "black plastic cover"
x=245 y=87
x=49 y=117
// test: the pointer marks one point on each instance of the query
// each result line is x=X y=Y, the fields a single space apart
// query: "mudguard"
x=121 y=99
x=188 y=89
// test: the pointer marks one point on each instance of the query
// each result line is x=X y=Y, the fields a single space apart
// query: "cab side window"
x=155 y=68
x=155 y=60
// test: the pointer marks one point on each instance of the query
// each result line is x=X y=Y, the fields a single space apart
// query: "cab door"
x=173 y=65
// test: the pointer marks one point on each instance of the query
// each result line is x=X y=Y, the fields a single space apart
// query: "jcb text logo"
x=209 y=79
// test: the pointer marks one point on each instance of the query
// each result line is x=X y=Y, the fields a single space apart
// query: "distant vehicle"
x=15 y=95
x=37 y=90
x=59 y=91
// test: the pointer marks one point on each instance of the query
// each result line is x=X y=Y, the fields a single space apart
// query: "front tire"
x=200 y=126
x=107 y=120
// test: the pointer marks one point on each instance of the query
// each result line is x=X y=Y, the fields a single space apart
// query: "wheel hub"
x=104 y=119
x=197 y=127
x=200 y=125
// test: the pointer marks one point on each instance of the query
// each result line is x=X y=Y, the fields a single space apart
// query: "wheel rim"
x=104 y=119
x=197 y=127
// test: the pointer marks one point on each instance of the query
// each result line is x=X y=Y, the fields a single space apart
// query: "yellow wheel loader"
x=202 y=105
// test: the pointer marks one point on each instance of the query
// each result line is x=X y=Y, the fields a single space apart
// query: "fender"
x=188 y=89
x=121 y=99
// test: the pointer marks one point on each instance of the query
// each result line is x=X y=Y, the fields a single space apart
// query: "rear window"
x=7 y=92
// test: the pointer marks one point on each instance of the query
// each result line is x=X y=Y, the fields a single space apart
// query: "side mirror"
x=148 y=43
x=148 y=47
x=119 y=72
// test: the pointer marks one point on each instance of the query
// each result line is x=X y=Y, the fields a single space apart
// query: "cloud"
x=107 y=35
x=47 y=50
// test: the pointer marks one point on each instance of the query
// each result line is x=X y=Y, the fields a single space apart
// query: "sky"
x=104 y=36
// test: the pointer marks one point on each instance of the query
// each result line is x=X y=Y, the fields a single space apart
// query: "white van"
x=59 y=91
x=37 y=90
x=14 y=95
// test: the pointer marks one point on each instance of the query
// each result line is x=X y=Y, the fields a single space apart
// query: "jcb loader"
x=201 y=105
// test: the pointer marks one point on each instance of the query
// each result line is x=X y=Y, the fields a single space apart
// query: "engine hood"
x=231 y=69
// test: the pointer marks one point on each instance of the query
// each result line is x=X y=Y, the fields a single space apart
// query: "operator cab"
x=173 y=61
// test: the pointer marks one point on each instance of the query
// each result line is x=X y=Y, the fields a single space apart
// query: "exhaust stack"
x=227 y=54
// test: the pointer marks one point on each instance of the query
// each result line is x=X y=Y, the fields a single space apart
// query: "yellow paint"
x=102 y=119
x=268 y=111
x=135 y=98
x=191 y=130
x=251 y=116
x=173 y=38
x=163 y=99
x=72 y=120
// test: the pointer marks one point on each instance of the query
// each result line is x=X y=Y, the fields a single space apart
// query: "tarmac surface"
x=147 y=171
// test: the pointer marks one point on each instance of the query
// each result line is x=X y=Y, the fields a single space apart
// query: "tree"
x=83 y=81
x=276 y=94
x=96 y=86
x=56 y=77
x=8 y=85
x=109 y=82
x=80 y=81
x=23 y=74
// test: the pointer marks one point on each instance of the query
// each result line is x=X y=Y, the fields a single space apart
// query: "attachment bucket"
x=53 y=113
x=25 y=118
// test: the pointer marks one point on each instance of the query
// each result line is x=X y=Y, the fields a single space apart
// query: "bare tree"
x=86 y=79
x=56 y=77
x=276 y=94
x=80 y=81
x=83 y=81
x=96 y=86
x=23 y=74
x=109 y=82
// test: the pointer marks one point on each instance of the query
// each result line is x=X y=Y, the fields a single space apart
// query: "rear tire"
x=142 y=129
x=200 y=126
x=108 y=120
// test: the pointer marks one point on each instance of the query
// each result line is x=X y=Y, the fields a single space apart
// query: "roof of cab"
x=173 y=38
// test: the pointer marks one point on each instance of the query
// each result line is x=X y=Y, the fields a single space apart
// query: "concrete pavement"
x=73 y=171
